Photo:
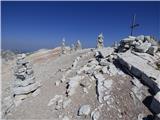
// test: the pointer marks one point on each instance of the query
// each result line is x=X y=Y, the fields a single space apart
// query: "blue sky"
x=29 y=26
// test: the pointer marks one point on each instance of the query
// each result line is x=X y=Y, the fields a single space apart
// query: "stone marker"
x=100 y=41
x=24 y=82
x=78 y=45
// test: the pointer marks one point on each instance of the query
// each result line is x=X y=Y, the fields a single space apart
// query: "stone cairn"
x=100 y=41
x=72 y=48
x=63 y=46
x=78 y=45
x=24 y=82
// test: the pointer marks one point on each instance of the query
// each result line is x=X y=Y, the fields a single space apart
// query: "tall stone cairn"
x=72 y=48
x=63 y=46
x=100 y=41
x=24 y=82
x=78 y=45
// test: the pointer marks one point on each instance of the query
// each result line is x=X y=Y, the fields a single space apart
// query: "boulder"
x=143 y=47
x=73 y=84
x=84 y=110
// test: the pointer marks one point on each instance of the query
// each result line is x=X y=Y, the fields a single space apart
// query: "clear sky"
x=35 y=25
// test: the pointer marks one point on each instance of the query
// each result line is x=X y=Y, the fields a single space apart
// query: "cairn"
x=100 y=41
x=25 y=83
x=63 y=46
x=72 y=48
x=78 y=45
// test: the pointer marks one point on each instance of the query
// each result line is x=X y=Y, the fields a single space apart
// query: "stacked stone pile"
x=24 y=83
x=142 y=44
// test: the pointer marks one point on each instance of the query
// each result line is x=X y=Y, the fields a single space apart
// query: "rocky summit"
x=103 y=83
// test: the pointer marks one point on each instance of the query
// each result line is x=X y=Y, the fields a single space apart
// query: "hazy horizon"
x=30 y=26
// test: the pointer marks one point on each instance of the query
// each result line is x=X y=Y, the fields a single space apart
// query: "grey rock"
x=143 y=47
x=26 y=89
x=104 y=62
x=152 y=50
x=95 y=115
x=23 y=83
x=155 y=104
x=73 y=84
x=66 y=103
x=84 y=110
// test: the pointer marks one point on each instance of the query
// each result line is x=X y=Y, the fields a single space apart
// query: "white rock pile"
x=142 y=44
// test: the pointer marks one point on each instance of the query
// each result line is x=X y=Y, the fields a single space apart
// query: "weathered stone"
x=99 y=87
x=73 y=84
x=107 y=84
x=23 y=83
x=143 y=47
x=152 y=50
x=66 y=103
x=95 y=115
x=104 y=62
x=105 y=52
x=84 y=110
x=155 y=105
x=26 y=89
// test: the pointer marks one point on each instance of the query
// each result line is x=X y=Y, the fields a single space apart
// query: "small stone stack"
x=25 y=83
x=63 y=46
x=78 y=45
x=100 y=41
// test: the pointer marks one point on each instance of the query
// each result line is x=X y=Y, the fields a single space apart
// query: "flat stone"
x=104 y=52
x=104 y=62
x=141 y=69
x=36 y=92
x=84 y=110
x=26 y=89
x=23 y=83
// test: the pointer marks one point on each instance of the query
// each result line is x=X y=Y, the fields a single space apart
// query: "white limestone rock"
x=84 y=110
x=66 y=103
x=73 y=84
x=143 y=47
x=26 y=89
x=95 y=115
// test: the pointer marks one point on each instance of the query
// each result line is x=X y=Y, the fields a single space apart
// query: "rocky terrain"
x=112 y=83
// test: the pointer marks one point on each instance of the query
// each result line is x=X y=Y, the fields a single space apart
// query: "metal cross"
x=134 y=25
